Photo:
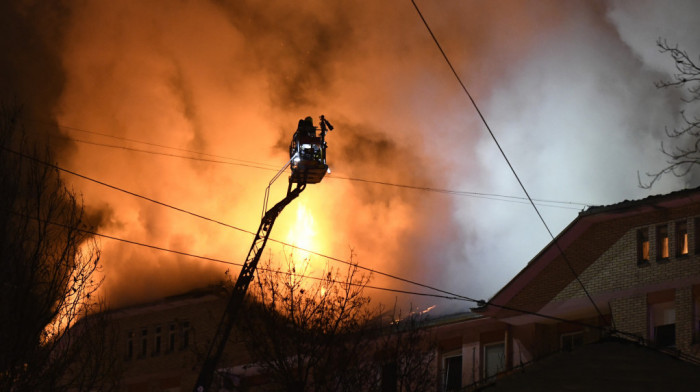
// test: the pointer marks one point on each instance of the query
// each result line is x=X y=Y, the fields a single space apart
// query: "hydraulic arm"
x=241 y=287
x=308 y=165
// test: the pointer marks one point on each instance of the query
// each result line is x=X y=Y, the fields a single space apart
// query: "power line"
x=448 y=295
x=264 y=166
x=221 y=261
x=490 y=196
x=158 y=145
x=371 y=270
x=301 y=276
x=505 y=157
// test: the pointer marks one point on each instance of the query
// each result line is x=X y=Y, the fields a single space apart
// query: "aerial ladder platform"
x=307 y=160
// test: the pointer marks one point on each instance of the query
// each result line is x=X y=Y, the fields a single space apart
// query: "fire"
x=302 y=234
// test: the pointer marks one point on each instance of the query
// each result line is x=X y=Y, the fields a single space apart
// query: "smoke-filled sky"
x=567 y=88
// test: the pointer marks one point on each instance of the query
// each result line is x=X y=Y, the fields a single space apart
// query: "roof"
x=203 y=294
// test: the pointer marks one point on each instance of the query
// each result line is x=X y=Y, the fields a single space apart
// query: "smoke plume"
x=567 y=89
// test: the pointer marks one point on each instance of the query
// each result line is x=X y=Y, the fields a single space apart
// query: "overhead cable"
x=577 y=206
x=505 y=157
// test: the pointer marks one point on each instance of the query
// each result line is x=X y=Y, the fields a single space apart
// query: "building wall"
x=628 y=283
x=195 y=320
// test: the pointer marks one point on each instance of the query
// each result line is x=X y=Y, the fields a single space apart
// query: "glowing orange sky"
x=233 y=78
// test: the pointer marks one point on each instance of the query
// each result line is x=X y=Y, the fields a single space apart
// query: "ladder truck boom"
x=308 y=163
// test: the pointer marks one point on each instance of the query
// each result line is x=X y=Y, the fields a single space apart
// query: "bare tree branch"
x=49 y=339
x=682 y=158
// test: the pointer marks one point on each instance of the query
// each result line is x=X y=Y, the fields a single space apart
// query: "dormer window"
x=681 y=238
x=643 y=245
x=662 y=242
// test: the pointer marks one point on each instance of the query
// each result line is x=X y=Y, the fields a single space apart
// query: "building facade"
x=630 y=269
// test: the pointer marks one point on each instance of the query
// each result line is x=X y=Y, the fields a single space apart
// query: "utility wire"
x=221 y=261
x=449 y=296
x=158 y=145
x=301 y=276
x=371 y=270
x=263 y=166
x=505 y=157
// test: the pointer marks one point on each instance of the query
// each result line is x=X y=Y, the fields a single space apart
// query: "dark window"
x=662 y=318
x=570 y=341
x=643 y=245
x=681 y=238
x=453 y=373
x=129 y=344
x=156 y=341
x=144 y=342
x=185 y=334
x=696 y=314
x=662 y=242
x=171 y=338
x=696 y=232
x=665 y=335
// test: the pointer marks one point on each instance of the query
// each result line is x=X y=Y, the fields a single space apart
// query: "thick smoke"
x=567 y=89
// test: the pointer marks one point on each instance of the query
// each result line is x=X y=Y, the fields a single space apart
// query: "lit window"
x=643 y=245
x=681 y=238
x=453 y=372
x=494 y=359
x=662 y=242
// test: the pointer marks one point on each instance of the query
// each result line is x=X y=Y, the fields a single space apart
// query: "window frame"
x=643 y=246
x=485 y=362
x=658 y=306
x=143 y=352
x=447 y=357
x=567 y=335
x=663 y=252
x=682 y=238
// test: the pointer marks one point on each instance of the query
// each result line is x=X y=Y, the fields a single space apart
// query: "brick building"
x=639 y=262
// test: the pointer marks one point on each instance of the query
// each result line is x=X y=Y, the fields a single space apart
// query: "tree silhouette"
x=49 y=340
x=322 y=334
x=686 y=154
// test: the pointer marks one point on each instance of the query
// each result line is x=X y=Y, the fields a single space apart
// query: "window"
x=662 y=323
x=696 y=314
x=171 y=338
x=696 y=235
x=156 y=341
x=662 y=242
x=185 y=327
x=570 y=341
x=144 y=342
x=643 y=245
x=453 y=372
x=129 y=345
x=681 y=238
x=389 y=377
x=494 y=359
